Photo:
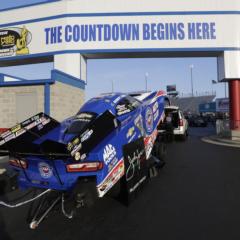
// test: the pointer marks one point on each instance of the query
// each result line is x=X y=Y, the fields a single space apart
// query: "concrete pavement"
x=221 y=141
x=196 y=196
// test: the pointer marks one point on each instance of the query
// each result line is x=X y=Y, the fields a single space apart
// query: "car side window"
x=126 y=105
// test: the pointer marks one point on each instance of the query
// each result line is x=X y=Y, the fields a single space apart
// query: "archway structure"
x=69 y=32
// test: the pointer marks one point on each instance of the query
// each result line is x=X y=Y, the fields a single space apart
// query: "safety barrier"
x=223 y=128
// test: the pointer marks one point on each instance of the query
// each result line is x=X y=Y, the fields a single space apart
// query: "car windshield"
x=126 y=105
x=80 y=122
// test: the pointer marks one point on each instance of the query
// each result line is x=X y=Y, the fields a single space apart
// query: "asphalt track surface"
x=195 y=196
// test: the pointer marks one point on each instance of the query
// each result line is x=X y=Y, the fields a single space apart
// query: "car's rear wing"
x=28 y=137
x=92 y=135
x=20 y=138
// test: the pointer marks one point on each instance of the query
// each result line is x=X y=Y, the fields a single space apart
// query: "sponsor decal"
x=130 y=132
x=135 y=164
x=83 y=156
x=45 y=121
x=109 y=153
x=156 y=114
x=132 y=138
x=149 y=119
x=76 y=141
x=39 y=127
x=155 y=111
x=10 y=137
x=86 y=135
x=76 y=149
x=155 y=107
x=45 y=170
x=5 y=134
x=85 y=117
x=31 y=125
x=26 y=122
x=77 y=156
x=112 y=164
x=20 y=132
x=69 y=146
x=14 y=41
x=112 y=178
x=118 y=98
x=122 y=109
x=149 y=142
x=139 y=124
x=16 y=128
x=137 y=184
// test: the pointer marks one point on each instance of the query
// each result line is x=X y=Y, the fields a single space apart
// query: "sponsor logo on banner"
x=149 y=119
x=45 y=170
x=14 y=41
x=109 y=153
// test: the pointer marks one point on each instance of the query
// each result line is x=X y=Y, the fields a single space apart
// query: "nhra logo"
x=45 y=170
x=109 y=153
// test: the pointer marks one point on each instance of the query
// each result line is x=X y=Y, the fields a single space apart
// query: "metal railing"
x=197 y=94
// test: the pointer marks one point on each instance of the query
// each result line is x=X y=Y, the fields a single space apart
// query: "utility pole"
x=225 y=89
x=191 y=72
x=112 y=86
x=146 y=81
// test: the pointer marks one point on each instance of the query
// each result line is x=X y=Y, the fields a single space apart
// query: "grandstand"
x=190 y=104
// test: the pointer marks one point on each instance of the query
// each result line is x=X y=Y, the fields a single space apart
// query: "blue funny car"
x=112 y=141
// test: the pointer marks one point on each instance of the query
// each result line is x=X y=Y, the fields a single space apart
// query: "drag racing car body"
x=110 y=137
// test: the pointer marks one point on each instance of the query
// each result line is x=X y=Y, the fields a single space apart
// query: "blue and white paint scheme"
x=89 y=144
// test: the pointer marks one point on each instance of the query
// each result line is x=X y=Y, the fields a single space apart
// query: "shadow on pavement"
x=3 y=233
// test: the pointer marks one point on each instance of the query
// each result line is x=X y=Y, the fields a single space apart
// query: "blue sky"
x=129 y=74
x=16 y=3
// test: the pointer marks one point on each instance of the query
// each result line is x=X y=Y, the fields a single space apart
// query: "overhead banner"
x=119 y=33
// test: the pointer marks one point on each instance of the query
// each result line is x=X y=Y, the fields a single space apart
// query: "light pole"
x=146 y=81
x=213 y=82
x=112 y=86
x=191 y=72
x=225 y=89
